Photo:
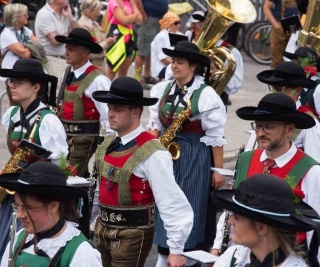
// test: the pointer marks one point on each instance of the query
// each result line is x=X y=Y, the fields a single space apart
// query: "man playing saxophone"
x=200 y=139
x=28 y=84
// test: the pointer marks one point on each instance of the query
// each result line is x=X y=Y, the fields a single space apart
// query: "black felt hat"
x=41 y=178
x=188 y=50
x=80 y=37
x=267 y=199
x=124 y=91
x=287 y=74
x=28 y=68
x=277 y=107
x=304 y=52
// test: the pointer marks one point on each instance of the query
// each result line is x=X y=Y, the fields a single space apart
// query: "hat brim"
x=223 y=199
x=92 y=46
x=267 y=77
x=198 y=58
x=9 y=73
x=301 y=120
x=107 y=97
x=10 y=181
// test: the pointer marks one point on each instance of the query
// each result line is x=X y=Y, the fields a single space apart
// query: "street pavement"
x=249 y=95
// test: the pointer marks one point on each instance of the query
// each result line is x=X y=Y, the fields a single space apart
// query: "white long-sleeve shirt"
x=174 y=208
x=100 y=83
x=51 y=132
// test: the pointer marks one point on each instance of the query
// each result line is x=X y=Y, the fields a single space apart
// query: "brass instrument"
x=167 y=137
x=310 y=34
x=226 y=226
x=222 y=15
x=17 y=160
x=13 y=230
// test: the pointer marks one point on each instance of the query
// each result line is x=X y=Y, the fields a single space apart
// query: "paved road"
x=250 y=93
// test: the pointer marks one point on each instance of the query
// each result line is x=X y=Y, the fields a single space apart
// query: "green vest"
x=62 y=258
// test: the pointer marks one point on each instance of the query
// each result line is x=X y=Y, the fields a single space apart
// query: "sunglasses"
x=176 y=23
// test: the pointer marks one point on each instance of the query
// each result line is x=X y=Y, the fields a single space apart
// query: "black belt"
x=62 y=57
x=127 y=217
x=74 y=128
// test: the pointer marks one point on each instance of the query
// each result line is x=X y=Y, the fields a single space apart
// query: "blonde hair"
x=13 y=12
x=89 y=5
x=168 y=19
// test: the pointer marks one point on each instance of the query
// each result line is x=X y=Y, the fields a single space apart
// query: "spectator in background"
x=152 y=12
x=196 y=22
x=55 y=18
x=273 y=10
x=122 y=52
x=159 y=60
x=13 y=38
x=90 y=11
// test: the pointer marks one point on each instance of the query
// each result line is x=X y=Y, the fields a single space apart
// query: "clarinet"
x=226 y=226
x=13 y=228
x=94 y=175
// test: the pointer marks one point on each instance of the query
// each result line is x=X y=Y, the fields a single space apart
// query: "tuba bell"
x=221 y=16
x=310 y=34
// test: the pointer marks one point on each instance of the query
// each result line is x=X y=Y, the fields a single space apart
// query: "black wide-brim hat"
x=287 y=73
x=30 y=69
x=304 y=52
x=80 y=37
x=276 y=107
x=41 y=178
x=124 y=91
x=188 y=50
x=267 y=199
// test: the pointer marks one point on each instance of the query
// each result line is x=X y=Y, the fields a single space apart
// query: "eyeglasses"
x=267 y=128
x=176 y=23
x=16 y=82
x=16 y=207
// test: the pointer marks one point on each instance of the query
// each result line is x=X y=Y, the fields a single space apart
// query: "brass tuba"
x=19 y=158
x=170 y=133
x=310 y=34
x=222 y=15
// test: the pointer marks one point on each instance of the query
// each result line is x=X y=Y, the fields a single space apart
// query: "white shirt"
x=8 y=37
x=212 y=111
x=51 y=132
x=46 y=22
x=161 y=40
x=85 y=255
x=310 y=185
x=242 y=256
x=316 y=95
x=100 y=83
x=174 y=208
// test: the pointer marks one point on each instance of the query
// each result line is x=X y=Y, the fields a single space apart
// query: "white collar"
x=132 y=135
x=283 y=159
x=81 y=70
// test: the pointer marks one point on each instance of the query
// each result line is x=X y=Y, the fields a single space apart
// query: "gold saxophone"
x=17 y=160
x=171 y=132
x=222 y=15
x=310 y=34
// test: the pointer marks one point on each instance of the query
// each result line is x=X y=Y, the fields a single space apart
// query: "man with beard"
x=275 y=122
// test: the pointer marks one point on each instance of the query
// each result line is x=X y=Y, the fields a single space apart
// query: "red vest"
x=89 y=109
x=141 y=193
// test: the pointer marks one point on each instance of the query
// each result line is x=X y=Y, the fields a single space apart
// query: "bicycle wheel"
x=240 y=39
x=248 y=32
x=259 y=47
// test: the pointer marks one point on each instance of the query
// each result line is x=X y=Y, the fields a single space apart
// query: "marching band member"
x=136 y=173
x=28 y=84
x=44 y=204
x=201 y=138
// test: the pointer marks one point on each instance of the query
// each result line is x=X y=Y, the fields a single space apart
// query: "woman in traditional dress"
x=201 y=138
